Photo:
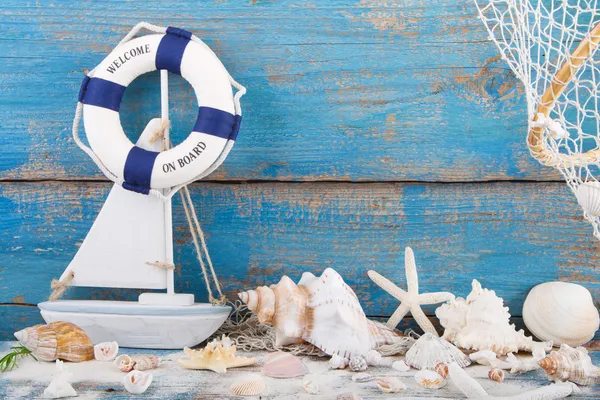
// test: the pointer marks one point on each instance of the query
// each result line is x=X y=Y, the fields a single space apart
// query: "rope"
x=161 y=264
x=60 y=287
x=160 y=132
x=241 y=90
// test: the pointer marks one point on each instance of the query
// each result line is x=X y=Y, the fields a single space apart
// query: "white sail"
x=128 y=232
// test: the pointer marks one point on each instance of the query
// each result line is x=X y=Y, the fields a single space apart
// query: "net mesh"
x=551 y=47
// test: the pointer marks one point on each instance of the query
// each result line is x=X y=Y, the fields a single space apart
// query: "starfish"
x=411 y=300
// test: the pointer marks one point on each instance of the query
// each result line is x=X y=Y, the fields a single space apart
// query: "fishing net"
x=551 y=47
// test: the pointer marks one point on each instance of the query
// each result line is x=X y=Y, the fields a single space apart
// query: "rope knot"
x=60 y=287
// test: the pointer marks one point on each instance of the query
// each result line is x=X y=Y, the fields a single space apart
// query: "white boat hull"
x=140 y=326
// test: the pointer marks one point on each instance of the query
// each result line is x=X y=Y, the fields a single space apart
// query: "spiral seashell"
x=144 y=362
x=124 y=363
x=261 y=301
x=430 y=379
x=442 y=369
x=251 y=385
x=561 y=312
x=57 y=340
x=496 y=374
x=569 y=364
x=137 y=382
x=106 y=351
x=358 y=364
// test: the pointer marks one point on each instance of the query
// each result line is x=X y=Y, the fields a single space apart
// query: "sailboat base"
x=132 y=324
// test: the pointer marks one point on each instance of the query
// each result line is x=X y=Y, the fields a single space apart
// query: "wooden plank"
x=346 y=90
x=510 y=236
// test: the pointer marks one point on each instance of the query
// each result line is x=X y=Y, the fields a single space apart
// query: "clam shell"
x=442 y=369
x=430 y=379
x=106 y=351
x=496 y=374
x=57 y=340
x=250 y=385
x=284 y=365
x=390 y=384
x=144 y=362
x=588 y=197
x=137 y=382
x=561 y=312
x=401 y=366
x=569 y=364
x=430 y=350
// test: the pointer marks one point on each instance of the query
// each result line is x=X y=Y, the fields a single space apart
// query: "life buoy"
x=217 y=124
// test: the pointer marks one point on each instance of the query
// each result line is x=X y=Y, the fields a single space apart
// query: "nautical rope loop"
x=160 y=174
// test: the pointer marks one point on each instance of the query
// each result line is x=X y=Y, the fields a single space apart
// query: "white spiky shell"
x=430 y=350
x=561 y=312
x=481 y=322
x=314 y=309
x=569 y=364
x=250 y=385
x=430 y=379
x=588 y=197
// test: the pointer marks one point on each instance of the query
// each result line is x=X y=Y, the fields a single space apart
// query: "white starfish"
x=411 y=300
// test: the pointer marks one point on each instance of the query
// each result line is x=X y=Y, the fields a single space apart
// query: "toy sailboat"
x=130 y=244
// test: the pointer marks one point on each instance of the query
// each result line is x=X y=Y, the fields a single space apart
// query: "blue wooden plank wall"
x=368 y=126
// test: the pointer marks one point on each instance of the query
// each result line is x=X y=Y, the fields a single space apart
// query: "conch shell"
x=569 y=364
x=217 y=356
x=315 y=308
x=57 y=340
x=481 y=322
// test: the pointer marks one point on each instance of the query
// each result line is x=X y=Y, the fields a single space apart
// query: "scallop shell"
x=430 y=350
x=137 y=382
x=481 y=322
x=442 y=369
x=588 y=197
x=390 y=384
x=144 y=362
x=561 y=312
x=57 y=340
x=401 y=366
x=251 y=385
x=430 y=379
x=358 y=364
x=569 y=364
x=496 y=374
x=284 y=365
x=106 y=351
x=310 y=387
x=314 y=308
x=124 y=363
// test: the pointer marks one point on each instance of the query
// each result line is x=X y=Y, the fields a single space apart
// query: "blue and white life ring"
x=215 y=130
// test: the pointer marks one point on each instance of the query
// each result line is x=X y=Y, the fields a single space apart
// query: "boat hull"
x=139 y=326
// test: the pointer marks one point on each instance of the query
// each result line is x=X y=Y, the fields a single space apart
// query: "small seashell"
x=57 y=340
x=106 y=351
x=561 y=312
x=338 y=362
x=401 y=366
x=348 y=396
x=362 y=377
x=569 y=364
x=124 y=363
x=144 y=362
x=442 y=369
x=496 y=374
x=358 y=364
x=430 y=379
x=136 y=382
x=430 y=350
x=588 y=197
x=310 y=387
x=373 y=358
x=250 y=385
x=284 y=365
x=390 y=384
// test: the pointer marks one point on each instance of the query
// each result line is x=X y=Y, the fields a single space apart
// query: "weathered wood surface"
x=510 y=236
x=99 y=381
x=339 y=90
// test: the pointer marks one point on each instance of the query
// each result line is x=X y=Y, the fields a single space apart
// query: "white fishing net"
x=550 y=45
